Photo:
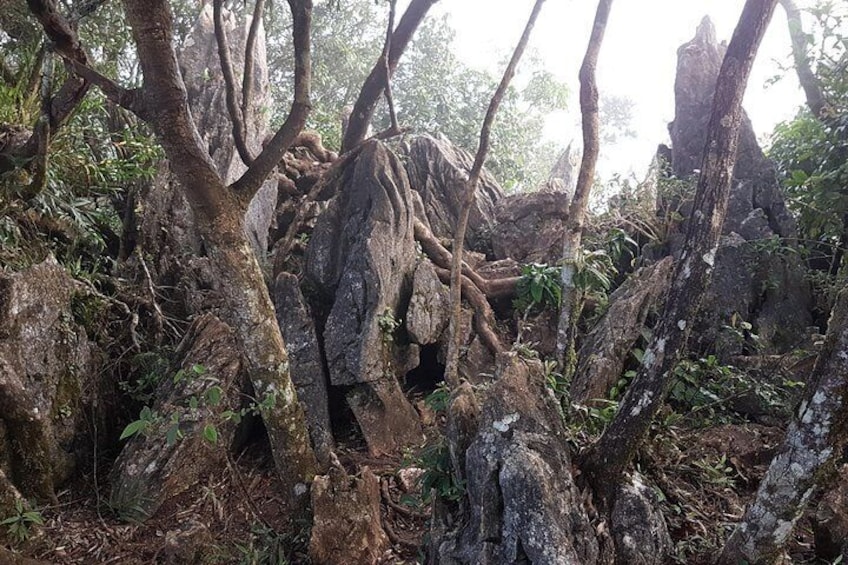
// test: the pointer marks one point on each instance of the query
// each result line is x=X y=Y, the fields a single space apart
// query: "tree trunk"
x=814 y=443
x=570 y=307
x=375 y=84
x=219 y=211
x=812 y=88
x=605 y=463
x=469 y=190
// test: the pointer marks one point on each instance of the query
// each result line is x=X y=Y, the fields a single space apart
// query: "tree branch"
x=812 y=88
x=470 y=189
x=236 y=116
x=570 y=308
x=258 y=171
x=387 y=49
x=126 y=98
x=249 y=53
x=374 y=86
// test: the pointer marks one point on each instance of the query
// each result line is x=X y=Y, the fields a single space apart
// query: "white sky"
x=638 y=60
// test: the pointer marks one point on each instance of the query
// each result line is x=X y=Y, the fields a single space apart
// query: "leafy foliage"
x=20 y=524
x=540 y=287
x=434 y=91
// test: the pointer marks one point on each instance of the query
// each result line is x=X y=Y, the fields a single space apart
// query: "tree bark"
x=220 y=211
x=469 y=192
x=812 y=88
x=570 y=307
x=375 y=84
x=814 y=443
x=606 y=461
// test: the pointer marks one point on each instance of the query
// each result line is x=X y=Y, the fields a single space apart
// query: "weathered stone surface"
x=604 y=351
x=438 y=171
x=529 y=227
x=362 y=252
x=759 y=286
x=151 y=468
x=347 y=526
x=307 y=368
x=830 y=522
x=48 y=379
x=387 y=419
x=429 y=308
x=638 y=526
x=523 y=504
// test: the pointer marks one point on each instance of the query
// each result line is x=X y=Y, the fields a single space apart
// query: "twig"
x=402 y=510
x=236 y=116
x=249 y=53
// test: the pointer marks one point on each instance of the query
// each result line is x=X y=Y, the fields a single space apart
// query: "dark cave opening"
x=429 y=373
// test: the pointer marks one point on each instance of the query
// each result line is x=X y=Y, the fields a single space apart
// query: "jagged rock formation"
x=604 y=351
x=168 y=457
x=347 y=526
x=522 y=505
x=362 y=258
x=530 y=227
x=49 y=390
x=307 y=368
x=438 y=171
x=760 y=284
x=429 y=306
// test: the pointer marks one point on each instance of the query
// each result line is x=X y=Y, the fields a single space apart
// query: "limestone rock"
x=429 y=308
x=362 y=257
x=604 y=351
x=347 y=526
x=158 y=464
x=307 y=368
x=523 y=505
x=761 y=286
x=362 y=253
x=48 y=380
x=638 y=526
x=387 y=419
x=530 y=227
x=830 y=523
x=438 y=171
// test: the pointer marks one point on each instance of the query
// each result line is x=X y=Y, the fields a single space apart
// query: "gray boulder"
x=158 y=463
x=438 y=171
x=306 y=366
x=49 y=387
x=362 y=256
x=522 y=503
x=530 y=227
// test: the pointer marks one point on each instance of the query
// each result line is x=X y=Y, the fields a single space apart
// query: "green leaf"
x=172 y=435
x=210 y=433
x=213 y=395
x=133 y=428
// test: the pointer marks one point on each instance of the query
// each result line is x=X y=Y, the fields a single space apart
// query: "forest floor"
x=703 y=477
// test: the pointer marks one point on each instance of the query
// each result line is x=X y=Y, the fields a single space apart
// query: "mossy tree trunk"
x=220 y=209
x=605 y=463
x=571 y=307
x=814 y=443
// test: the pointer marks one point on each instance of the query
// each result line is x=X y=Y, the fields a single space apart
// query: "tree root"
x=494 y=288
x=484 y=318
